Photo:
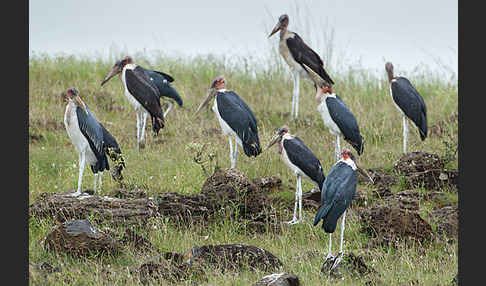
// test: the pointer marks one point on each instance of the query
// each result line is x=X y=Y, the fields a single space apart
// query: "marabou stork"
x=337 y=193
x=301 y=160
x=409 y=102
x=235 y=118
x=336 y=115
x=296 y=53
x=90 y=139
x=141 y=93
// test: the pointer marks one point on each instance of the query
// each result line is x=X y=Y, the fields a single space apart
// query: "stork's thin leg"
x=299 y=178
x=82 y=160
x=295 y=96
x=294 y=219
x=138 y=129
x=338 y=258
x=338 y=147
x=235 y=151
x=231 y=152
x=329 y=261
x=144 y=121
x=94 y=184
x=405 y=133
x=170 y=104
x=99 y=182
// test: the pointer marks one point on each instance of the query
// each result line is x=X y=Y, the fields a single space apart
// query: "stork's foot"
x=79 y=193
x=337 y=260
x=293 y=221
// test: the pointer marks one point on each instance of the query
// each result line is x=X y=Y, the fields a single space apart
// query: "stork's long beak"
x=314 y=76
x=211 y=93
x=364 y=172
x=277 y=27
x=114 y=71
x=80 y=103
x=274 y=140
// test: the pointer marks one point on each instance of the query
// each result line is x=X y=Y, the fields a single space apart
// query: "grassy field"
x=166 y=164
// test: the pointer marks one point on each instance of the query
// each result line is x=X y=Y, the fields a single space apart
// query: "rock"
x=79 y=237
x=279 y=279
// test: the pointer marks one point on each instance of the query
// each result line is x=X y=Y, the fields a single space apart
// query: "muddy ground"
x=387 y=217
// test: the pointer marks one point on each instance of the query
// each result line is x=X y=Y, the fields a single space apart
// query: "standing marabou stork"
x=301 y=160
x=337 y=193
x=409 y=102
x=141 y=93
x=91 y=140
x=336 y=115
x=235 y=118
x=296 y=53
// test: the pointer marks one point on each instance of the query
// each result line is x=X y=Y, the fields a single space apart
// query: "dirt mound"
x=194 y=263
x=425 y=169
x=129 y=194
x=80 y=237
x=268 y=184
x=447 y=219
x=396 y=219
x=279 y=279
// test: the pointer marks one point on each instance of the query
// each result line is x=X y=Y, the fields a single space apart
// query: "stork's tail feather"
x=321 y=213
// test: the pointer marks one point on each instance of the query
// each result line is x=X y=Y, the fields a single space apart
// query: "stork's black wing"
x=336 y=195
x=411 y=103
x=346 y=121
x=302 y=157
x=303 y=54
x=93 y=132
x=161 y=81
x=240 y=118
x=140 y=86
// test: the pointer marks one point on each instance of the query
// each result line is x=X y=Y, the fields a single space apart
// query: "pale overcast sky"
x=408 y=33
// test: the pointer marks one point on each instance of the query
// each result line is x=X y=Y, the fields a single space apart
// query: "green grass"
x=166 y=164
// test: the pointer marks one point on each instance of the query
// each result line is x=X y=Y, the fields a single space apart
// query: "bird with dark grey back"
x=337 y=117
x=336 y=195
x=296 y=54
x=90 y=139
x=301 y=161
x=235 y=118
x=142 y=93
x=409 y=102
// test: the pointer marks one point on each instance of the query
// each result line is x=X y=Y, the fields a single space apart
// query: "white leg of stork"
x=233 y=163
x=295 y=96
x=297 y=200
x=169 y=107
x=340 y=254
x=144 y=121
x=235 y=151
x=405 y=133
x=139 y=119
x=95 y=180
x=99 y=183
x=82 y=160
x=338 y=147
x=329 y=261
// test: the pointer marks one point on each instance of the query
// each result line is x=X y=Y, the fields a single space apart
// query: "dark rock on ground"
x=279 y=279
x=80 y=237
